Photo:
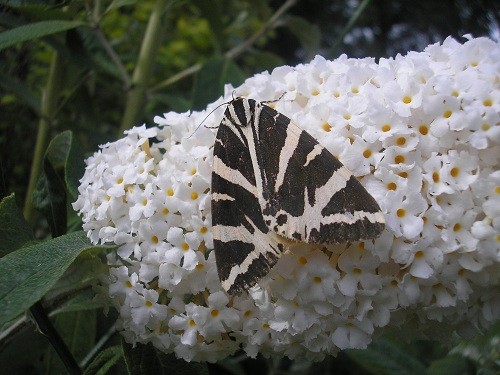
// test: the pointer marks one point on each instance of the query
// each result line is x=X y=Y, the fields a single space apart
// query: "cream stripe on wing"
x=286 y=153
x=348 y=218
x=233 y=175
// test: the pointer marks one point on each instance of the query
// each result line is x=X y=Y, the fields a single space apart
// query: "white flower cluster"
x=422 y=133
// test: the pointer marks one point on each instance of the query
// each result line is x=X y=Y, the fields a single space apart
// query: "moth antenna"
x=275 y=100
x=212 y=111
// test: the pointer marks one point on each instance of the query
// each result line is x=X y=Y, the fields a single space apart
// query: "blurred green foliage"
x=80 y=65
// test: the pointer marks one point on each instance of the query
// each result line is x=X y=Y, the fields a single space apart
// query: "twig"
x=352 y=21
x=48 y=330
x=143 y=70
x=232 y=53
x=98 y=346
x=48 y=106
x=111 y=52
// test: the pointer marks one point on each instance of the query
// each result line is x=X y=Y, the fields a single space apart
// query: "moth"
x=272 y=182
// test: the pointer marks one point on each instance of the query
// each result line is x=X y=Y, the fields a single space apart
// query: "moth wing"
x=305 y=193
x=245 y=251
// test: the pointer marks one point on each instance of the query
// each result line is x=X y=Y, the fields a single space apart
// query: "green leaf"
x=63 y=166
x=145 y=359
x=64 y=153
x=211 y=78
x=451 y=365
x=174 y=101
x=77 y=329
x=115 y=4
x=81 y=302
x=35 y=30
x=104 y=361
x=28 y=273
x=49 y=197
x=308 y=34
x=263 y=60
x=15 y=232
x=384 y=358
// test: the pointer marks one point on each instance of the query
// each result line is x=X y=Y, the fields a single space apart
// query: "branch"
x=111 y=52
x=232 y=53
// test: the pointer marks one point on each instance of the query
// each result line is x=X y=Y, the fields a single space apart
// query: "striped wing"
x=270 y=179
x=244 y=250
x=305 y=193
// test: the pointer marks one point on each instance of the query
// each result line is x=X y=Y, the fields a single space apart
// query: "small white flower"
x=184 y=248
x=352 y=333
x=145 y=309
x=404 y=215
x=358 y=266
x=461 y=170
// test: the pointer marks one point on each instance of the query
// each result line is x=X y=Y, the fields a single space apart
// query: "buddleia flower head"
x=421 y=132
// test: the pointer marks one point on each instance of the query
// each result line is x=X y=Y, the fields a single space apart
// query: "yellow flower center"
x=399 y=159
x=401 y=141
x=435 y=177
x=454 y=172
x=386 y=127
x=423 y=129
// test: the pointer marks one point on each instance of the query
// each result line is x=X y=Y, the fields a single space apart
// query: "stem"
x=348 y=27
x=113 y=55
x=100 y=344
x=143 y=70
x=232 y=53
x=47 y=110
x=48 y=330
